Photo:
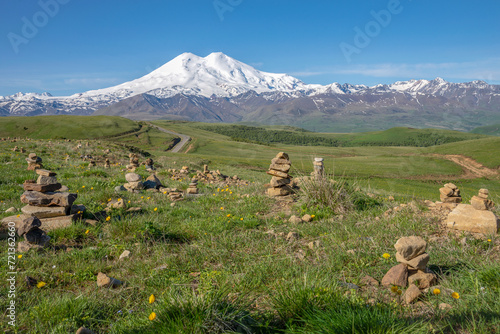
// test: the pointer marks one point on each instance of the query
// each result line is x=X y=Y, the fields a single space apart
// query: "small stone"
x=120 y=189
x=53 y=223
x=45 y=172
x=132 y=177
x=152 y=182
x=282 y=155
x=419 y=262
x=391 y=198
x=369 y=281
x=397 y=275
x=283 y=191
x=37 y=236
x=314 y=244
x=278 y=182
x=411 y=294
x=172 y=204
x=106 y=281
x=307 y=218
x=24 y=247
x=134 y=185
x=295 y=220
x=125 y=255
x=83 y=330
x=410 y=247
x=451 y=186
x=11 y=210
x=30 y=185
x=292 y=236
x=44 y=212
x=445 y=307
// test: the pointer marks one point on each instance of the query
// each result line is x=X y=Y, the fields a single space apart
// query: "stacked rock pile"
x=107 y=163
x=15 y=149
x=412 y=268
x=193 y=186
x=184 y=170
x=34 y=237
x=34 y=161
x=133 y=162
x=450 y=194
x=134 y=182
x=149 y=165
x=280 y=181
x=205 y=169
x=481 y=201
x=173 y=194
x=91 y=163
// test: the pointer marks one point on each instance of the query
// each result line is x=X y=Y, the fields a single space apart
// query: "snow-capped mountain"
x=219 y=88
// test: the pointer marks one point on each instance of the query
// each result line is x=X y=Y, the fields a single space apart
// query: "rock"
x=307 y=218
x=27 y=224
x=106 y=281
x=278 y=161
x=410 y=247
x=134 y=209
x=369 y=281
x=152 y=182
x=294 y=220
x=32 y=186
x=116 y=204
x=277 y=173
x=445 y=191
x=11 y=210
x=133 y=177
x=278 y=182
x=49 y=224
x=314 y=244
x=479 y=203
x=390 y=198
x=120 y=188
x=280 y=168
x=46 y=180
x=445 y=307
x=37 y=198
x=465 y=218
x=125 y=255
x=419 y=262
x=77 y=208
x=134 y=186
x=397 y=275
x=455 y=200
x=44 y=212
x=422 y=279
x=411 y=294
x=63 y=189
x=292 y=236
x=37 y=236
x=282 y=155
x=451 y=186
x=24 y=247
x=45 y=172
x=283 y=191
x=83 y=330
x=191 y=190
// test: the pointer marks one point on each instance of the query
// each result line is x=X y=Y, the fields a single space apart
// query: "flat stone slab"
x=44 y=212
x=49 y=224
x=465 y=218
x=45 y=172
x=37 y=198
x=30 y=185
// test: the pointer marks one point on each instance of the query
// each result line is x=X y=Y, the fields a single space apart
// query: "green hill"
x=67 y=127
x=492 y=130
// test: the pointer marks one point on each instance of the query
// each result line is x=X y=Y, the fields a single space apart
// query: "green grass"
x=65 y=127
x=220 y=263
x=491 y=130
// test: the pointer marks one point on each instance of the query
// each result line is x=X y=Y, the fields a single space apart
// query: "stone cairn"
x=450 y=194
x=22 y=150
x=107 y=163
x=91 y=163
x=133 y=163
x=34 y=161
x=134 y=182
x=67 y=158
x=184 y=170
x=205 y=169
x=412 y=268
x=15 y=149
x=34 y=237
x=149 y=165
x=280 y=181
x=193 y=187
x=481 y=201
x=319 y=168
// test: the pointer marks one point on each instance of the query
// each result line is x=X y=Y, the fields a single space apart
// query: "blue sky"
x=80 y=45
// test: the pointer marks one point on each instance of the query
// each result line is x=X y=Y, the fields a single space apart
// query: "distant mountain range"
x=218 y=88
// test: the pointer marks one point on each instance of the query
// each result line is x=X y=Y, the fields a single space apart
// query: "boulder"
x=397 y=275
x=465 y=218
x=410 y=247
x=152 y=182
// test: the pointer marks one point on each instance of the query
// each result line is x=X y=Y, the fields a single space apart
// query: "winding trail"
x=471 y=167
x=180 y=145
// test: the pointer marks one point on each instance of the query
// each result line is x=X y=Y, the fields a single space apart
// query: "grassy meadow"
x=221 y=262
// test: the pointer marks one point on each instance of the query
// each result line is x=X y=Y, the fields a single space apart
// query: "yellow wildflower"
x=108 y=218
x=394 y=289
x=228 y=215
x=312 y=216
x=87 y=232
x=83 y=186
x=455 y=295
x=152 y=316
x=222 y=208
x=155 y=209
x=40 y=284
x=386 y=255
x=241 y=218
x=152 y=299
x=436 y=291
x=20 y=256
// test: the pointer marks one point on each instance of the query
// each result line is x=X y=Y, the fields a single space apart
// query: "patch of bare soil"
x=471 y=167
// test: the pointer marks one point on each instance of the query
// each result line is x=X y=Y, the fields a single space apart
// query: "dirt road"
x=471 y=167
x=180 y=145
